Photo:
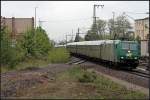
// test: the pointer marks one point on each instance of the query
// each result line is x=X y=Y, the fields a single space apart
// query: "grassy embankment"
x=80 y=83
x=56 y=55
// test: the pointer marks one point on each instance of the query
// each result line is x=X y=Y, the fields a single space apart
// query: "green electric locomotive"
x=128 y=53
x=114 y=51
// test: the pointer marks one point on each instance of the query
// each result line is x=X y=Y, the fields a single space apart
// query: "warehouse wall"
x=144 y=48
x=17 y=26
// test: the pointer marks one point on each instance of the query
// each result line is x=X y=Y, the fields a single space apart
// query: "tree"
x=91 y=36
x=5 y=45
x=36 y=43
x=111 y=28
x=119 y=27
x=63 y=42
x=97 y=31
x=101 y=27
x=10 y=53
x=138 y=38
x=42 y=43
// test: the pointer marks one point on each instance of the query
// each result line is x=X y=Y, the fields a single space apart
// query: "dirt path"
x=15 y=82
x=42 y=83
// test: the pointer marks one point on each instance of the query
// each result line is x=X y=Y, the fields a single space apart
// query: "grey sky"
x=64 y=16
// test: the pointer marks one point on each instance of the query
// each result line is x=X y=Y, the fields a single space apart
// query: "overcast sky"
x=64 y=16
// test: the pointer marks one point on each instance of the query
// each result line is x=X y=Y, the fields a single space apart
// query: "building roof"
x=16 y=17
x=142 y=19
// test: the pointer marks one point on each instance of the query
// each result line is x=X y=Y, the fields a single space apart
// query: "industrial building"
x=17 y=26
x=142 y=28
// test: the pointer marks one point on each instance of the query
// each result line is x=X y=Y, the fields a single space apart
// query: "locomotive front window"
x=129 y=46
x=132 y=46
x=125 y=45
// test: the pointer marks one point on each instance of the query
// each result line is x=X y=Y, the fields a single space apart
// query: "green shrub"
x=87 y=77
x=58 y=55
x=36 y=43
x=11 y=53
x=33 y=43
x=42 y=43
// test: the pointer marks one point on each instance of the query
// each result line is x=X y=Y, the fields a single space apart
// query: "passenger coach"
x=113 y=51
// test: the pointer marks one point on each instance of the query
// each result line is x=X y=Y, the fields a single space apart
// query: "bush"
x=36 y=43
x=87 y=77
x=11 y=53
x=42 y=43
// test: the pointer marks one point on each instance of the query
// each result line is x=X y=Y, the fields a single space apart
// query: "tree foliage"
x=97 y=31
x=138 y=38
x=36 y=43
x=62 y=42
x=119 y=27
x=91 y=36
x=10 y=53
x=33 y=43
x=101 y=27
x=5 y=45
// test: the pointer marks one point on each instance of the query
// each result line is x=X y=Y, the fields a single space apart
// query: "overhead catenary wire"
x=137 y=12
x=71 y=20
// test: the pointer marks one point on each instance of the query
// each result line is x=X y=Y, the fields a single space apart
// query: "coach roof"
x=98 y=42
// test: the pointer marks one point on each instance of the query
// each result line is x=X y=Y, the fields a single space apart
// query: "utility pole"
x=66 y=39
x=94 y=15
x=148 y=67
x=123 y=26
x=78 y=31
x=35 y=17
x=72 y=35
x=114 y=35
x=77 y=36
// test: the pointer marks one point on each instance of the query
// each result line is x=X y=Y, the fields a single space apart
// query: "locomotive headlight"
x=122 y=57
x=129 y=51
x=135 y=57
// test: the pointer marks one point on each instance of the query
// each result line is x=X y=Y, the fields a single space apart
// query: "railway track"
x=138 y=76
x=138 y=72
x=76 y=61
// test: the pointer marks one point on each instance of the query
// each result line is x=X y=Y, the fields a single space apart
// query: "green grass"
x=104 y=87
x=26 y=64
x=56 y=55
